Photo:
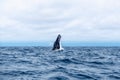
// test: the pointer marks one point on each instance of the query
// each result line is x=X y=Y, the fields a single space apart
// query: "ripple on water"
x=59 y=78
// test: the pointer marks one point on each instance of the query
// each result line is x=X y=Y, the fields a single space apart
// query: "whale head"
x=57 y=44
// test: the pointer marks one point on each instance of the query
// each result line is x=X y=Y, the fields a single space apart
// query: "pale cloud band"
x=76 y=20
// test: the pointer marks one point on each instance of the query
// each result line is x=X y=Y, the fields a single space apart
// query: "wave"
x=74 y=63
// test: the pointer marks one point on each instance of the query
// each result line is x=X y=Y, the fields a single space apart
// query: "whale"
x=57 y=44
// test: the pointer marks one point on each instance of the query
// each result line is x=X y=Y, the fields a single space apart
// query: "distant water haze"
x=64 y=43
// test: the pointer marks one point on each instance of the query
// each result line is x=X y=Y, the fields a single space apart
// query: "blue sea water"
x=74 y=63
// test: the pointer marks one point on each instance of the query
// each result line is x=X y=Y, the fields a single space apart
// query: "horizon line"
x=64 y=43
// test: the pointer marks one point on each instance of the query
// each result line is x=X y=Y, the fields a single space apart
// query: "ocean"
x=74 y=63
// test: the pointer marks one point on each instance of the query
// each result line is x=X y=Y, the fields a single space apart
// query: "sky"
x=89 y=22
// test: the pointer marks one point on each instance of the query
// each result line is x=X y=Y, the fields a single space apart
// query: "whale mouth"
x=57 y=45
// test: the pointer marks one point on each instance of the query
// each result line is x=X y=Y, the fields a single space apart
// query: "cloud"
x=76 y=20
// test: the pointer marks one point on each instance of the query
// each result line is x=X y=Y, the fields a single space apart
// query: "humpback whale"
x=57 y=44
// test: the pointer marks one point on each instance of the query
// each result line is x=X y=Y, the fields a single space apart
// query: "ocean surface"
x=74 y=63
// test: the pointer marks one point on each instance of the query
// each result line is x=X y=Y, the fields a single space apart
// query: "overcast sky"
x=75 y=20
